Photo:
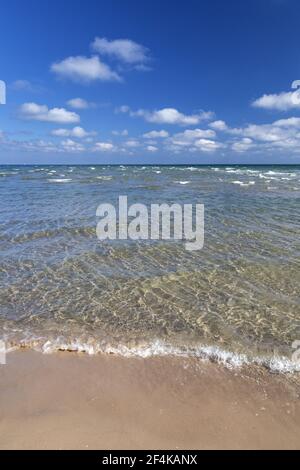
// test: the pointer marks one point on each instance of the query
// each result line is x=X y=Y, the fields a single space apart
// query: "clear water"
x=236 y=298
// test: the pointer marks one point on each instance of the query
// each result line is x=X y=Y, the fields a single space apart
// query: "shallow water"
x=236 y=300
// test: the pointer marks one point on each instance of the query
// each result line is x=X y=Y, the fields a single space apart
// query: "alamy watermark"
x=2 y=92
x=159 y=222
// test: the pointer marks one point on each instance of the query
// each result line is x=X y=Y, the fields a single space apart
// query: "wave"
x=104 y=178
x=229 y=359
x=242 y=183
x=60 y=180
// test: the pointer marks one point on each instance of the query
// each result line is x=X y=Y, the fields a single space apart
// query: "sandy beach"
x=73 y=401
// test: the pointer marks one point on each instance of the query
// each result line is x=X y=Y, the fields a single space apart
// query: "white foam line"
x=229 y=359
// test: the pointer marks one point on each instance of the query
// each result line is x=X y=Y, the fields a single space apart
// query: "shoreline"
x=76 y=401
x=276 y=363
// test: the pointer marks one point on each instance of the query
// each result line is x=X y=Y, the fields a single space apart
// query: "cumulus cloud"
x=77 y=132
x=37 y=112
x=167 y=116
x=156 y=134
x=242 y=145
x=280 y=134
x=70 y=146
x=79 y=103
x=132 y=143
x=41 y=145
x=151 y=148
x=263 y=132
x=84 y=69
x=124 y=50
x=189 y=136
x=194 y=140
x=103 y=147
x=171 y=116
x=218 y=125
x=207 y=145
x=291 y=122
x=280 y=102
x=36 y=146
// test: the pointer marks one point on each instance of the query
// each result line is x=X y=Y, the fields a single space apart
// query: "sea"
x=236 y=301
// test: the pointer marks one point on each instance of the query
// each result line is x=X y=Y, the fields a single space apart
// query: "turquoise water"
x=236 y=300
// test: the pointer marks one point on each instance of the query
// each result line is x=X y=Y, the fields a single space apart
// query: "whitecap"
x=104 y=178
x=60 y=180
x=242 y=183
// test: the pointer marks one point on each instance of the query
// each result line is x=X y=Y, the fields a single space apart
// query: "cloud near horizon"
x=103 y=147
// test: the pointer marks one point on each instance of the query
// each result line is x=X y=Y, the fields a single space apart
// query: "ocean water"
x=236 y=300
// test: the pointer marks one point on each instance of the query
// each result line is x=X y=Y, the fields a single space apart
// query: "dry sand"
x=72 y=401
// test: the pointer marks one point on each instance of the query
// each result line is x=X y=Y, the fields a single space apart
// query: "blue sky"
x=150 y=81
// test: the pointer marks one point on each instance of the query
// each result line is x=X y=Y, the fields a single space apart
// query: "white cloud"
x=189 y=136
x=36 y=112
x=152 y=148
x=289 y=122
x=207 y=145
x=242 y=145
x=40 y=145
x=168 y=116
x=79 y=103
x=194 y=140
x=218 y=125
x=280 y=102
x=36 y=146
x=132 y=143
x=281 y=134
x=77 y=132
x=171 y=116
x=124 y=50
x=84 y=69
x=103 y=147
x=263 y=132
x=156 y=134
x=70 y=146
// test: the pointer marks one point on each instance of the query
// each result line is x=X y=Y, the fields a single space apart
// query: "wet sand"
x=73 y=401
